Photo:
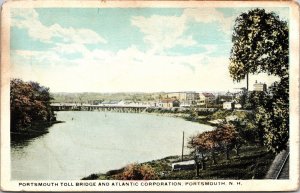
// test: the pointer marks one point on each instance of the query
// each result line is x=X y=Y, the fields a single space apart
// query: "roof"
x=207 y=94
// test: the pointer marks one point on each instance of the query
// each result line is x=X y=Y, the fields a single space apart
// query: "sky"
x=126 y=49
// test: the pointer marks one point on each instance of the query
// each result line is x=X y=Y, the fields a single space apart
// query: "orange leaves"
x=224 y=134
x=137 y=172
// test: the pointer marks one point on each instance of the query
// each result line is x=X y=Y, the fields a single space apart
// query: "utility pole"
x=247 y=77
x=182 y=146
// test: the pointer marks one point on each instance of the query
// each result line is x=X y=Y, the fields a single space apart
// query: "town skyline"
x=127 y=50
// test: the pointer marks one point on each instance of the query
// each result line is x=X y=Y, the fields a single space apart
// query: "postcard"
x=149 y=95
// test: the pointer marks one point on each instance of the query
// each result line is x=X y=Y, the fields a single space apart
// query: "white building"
x=169 y=103
x=184 y=165
x=206 y=98
x=228 y=105
x=237 y=106
x=260 y=86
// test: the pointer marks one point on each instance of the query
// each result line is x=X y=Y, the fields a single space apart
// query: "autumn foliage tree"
x=208 y=144
x=137 y=172
x=261 y=44
x=226 y=137
x=29 y=103
x=202 y=144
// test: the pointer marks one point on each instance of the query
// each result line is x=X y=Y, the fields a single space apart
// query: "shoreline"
x=32 y=131
x=184 y=116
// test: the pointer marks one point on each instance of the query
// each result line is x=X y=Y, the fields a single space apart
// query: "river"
x=92 y=142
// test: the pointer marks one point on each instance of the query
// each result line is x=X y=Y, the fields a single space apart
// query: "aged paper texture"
x=149 y=96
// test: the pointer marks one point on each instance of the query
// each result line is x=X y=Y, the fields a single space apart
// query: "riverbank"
x=186 y=115
x=35 y=130
x=252 y=163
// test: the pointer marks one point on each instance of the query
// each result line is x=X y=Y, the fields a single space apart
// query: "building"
x=260 y=86
x=184 y=165
x=221 y=98
x=169 y=103
x=206 y=98
x=228 y=105
x=237 y=106
x=186 y=98
x=192 y=98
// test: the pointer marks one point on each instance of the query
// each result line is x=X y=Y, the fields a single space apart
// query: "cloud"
x=39 y=59
x=72 y=48
x=29 y=19
x=209 y=15
x=163 y=32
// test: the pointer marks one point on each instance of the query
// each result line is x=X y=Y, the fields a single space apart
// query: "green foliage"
x=273 y=117
x=220 y=114
x=261 y=44
x=29 y=103
x=251 y=99
x=242 y=115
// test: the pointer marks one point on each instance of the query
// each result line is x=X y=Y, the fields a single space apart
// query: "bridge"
x=122 y=108
x=105 y=108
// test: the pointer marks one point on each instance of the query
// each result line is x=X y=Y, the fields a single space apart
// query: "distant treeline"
x=85 y=97
x=29 y=104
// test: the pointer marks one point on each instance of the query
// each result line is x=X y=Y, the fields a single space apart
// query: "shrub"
x=137 y=172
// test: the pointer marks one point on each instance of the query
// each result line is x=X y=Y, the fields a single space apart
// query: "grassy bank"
x=253 y=163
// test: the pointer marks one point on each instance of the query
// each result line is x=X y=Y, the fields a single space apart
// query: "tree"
x=261 y=44
x=202 y=144
x=240 y=135
x=207 y=144
x=29 y=103
x=225 y=135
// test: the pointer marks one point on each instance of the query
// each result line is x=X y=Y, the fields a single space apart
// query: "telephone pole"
x=247 y=77
x=182 y=146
